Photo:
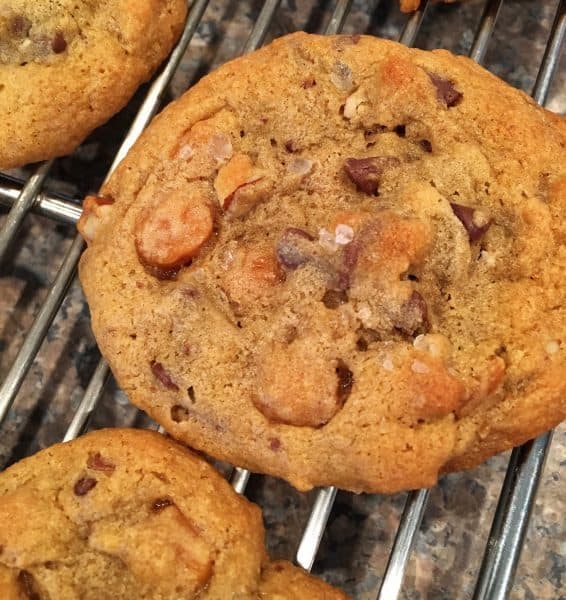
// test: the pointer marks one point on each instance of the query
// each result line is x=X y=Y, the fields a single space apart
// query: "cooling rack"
x=42 y=192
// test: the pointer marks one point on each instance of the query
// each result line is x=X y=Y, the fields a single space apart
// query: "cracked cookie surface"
x=129 y=514
x=67 y=66
x=347 y=272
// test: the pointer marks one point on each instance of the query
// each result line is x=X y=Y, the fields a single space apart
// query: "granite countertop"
x=361 y=529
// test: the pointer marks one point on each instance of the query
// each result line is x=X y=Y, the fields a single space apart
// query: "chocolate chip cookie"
x=347 y=271
x=67 y=66
x=128 y=514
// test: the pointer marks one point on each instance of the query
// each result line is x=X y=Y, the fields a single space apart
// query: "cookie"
x=66 y=66
x=130 y=514
x=347 y=272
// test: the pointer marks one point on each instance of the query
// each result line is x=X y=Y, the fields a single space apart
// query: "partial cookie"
x=347 y=271
x=128 y=514
x=67 y=66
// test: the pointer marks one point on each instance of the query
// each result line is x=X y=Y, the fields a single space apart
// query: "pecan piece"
x=365 y=173
x=473 y=223
x=84 y=485
x=97 y=462
x=95 y=210
x=163 y=375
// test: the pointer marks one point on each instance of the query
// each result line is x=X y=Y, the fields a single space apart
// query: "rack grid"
x=503 y=547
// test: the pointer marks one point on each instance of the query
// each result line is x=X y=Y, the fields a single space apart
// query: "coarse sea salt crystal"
x=343 y=234
x=185 y=152
x=552 y=347
x=387 y=364
x=419 y=367
x=327 y=240
x=488 y=258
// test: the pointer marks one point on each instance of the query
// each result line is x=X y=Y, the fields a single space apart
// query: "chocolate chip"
x=274 y=444
x=28 y=585
x=97 y=462
x=58 y=43
x=332 y=299
x=426 y=145
x=465 y=215
x=414 y=315
x=20 y=25
x=345 y=382
x=84 y=485
x=308 y=83
x=161 y=503
x=293 y=248
x=159 y=371
x=366 y=337
x=445 y=90
x=179 y=413
x=291 y=146
x=366 y=172
x=400 y=130
x=164 y=274
x=191 y=393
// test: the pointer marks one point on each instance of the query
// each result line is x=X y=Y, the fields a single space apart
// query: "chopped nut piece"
x=97 y=462
x=342 y=76
x=84 y=485
x=414 y=314
x=95 y=210
x=435 y=344
x=164 y=377
x=232 y=182
x=353 y=102
x=170 y=232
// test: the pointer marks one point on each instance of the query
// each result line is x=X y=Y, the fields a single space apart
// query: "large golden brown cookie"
x=66 y=66
x=126 y=514
x=339 y=261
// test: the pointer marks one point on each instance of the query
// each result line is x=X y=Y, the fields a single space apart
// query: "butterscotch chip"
x=66 y=67
x=162 y=524
x=388 y=305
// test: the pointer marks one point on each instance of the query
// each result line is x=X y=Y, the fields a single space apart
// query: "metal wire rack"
x=503 y=547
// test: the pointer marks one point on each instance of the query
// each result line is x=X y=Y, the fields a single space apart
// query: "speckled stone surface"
x=361 y=529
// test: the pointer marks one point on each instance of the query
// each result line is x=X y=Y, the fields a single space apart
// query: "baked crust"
x=123 y=513
x=66 y=67
x=371 y=288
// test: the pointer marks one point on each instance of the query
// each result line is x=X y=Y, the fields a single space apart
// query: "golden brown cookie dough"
x=128 y=514
x=347 y=271
x=66 y=66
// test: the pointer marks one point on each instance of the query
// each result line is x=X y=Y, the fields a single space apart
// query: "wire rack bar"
x=338 y=17
x=56 y=208
x=511 y=519
x=413 y=25
x=485 y=29
x=22 y=206
x=261 y=27
x=403 y=545
x=66 y=273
